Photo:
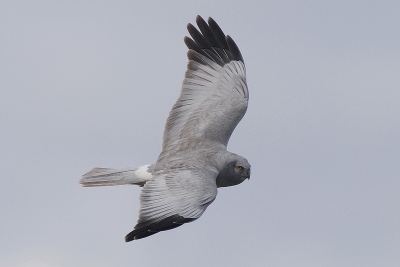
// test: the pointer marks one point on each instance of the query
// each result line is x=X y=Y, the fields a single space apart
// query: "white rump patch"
x=142 y=172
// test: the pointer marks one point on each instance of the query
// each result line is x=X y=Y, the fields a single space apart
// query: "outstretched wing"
x=172 y=199
x=214 y=93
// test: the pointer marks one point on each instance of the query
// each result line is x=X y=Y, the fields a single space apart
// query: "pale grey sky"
x=91 y=84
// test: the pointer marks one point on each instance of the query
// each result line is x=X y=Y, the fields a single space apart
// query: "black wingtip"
x=199 y=18
x=145 y=229
x=138 y=234
x=234 y=49
x=211 y=42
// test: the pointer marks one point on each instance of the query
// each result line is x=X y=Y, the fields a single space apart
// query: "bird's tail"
x=107 y=177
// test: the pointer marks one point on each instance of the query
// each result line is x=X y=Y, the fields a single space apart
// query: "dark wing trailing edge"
x=212 y=43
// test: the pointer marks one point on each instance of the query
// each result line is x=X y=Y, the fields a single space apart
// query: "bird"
x=194 y=160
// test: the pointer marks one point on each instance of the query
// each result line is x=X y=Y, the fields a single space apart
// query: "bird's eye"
x=239 y=168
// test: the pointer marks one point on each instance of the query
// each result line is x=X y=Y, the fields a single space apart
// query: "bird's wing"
x=172 y=199
x=214 y=93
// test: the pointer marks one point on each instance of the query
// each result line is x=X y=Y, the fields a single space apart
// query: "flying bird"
x=194 y=160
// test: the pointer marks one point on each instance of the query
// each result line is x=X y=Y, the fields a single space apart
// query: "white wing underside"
x=212 y=102
x=184 y=192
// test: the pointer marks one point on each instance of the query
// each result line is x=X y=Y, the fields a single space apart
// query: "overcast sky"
x=90 y=83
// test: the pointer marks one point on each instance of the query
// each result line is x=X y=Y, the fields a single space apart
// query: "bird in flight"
x=194 y=160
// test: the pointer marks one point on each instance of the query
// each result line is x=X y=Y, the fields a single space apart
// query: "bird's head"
x=235 y=170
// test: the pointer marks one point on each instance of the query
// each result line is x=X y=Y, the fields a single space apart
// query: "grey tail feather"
x=108 y=177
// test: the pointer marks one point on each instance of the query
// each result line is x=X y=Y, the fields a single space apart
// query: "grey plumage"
x=105 y=176
x=194 y=161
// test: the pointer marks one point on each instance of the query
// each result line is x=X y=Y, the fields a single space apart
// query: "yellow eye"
x=239 y=168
